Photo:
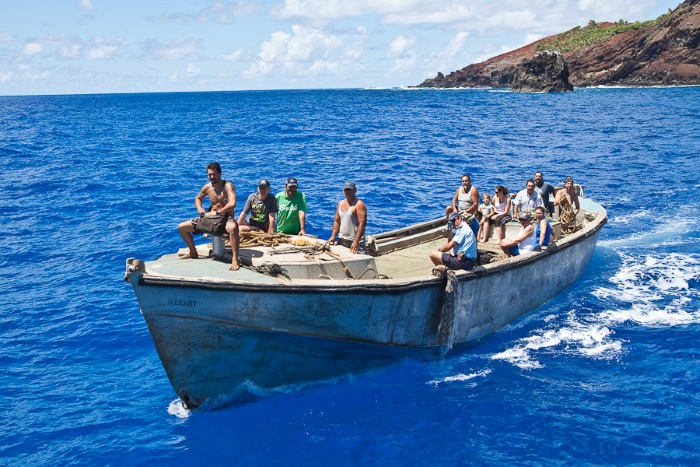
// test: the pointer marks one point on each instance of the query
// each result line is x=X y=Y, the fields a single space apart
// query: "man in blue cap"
x=462 y=244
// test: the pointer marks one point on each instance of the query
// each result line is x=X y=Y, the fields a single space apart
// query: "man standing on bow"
x=291 y=209
x=545 y=189
x=350 y=221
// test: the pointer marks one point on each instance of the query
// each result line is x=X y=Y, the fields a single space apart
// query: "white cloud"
x=104 y=49
x=33 y=48
x=99 y=52
x=98 y=48
x=219 y=12
x=530 y=38
x=192 y=70
x=6 y=37
x=479 y=15
x=230 y=57
x=400 y=45
x=308 y=50
x=177 y=49
x=86 y=5
x=72 y=51
x=187 y=75
x=4 y=77
x=36 y=77
x=456 y=44
x=448 y=57
x=405 y=63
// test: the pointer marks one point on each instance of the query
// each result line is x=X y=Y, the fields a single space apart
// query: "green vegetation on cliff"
x=581 y=37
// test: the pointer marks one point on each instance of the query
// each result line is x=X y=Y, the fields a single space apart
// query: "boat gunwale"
x=373 y=286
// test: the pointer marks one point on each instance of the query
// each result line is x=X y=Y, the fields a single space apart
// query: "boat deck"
x=409 y=262
x=405 y=263
x=204 y=267
x=287 y=263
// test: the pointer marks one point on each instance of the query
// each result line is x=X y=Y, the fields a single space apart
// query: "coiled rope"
x=566 y=214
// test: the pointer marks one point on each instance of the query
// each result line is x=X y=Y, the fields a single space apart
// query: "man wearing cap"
x=524 y=241
x=291 y=209
x=462 y=244
x=262 y=208
x=527 y=198
x=350 y=221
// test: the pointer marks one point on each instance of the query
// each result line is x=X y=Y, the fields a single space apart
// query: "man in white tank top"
x=466 y=198
x=350 y=221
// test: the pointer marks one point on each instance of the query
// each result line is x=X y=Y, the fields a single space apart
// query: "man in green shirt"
x=291 y=205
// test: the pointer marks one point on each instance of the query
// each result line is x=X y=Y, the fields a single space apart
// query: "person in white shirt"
x=528 y=198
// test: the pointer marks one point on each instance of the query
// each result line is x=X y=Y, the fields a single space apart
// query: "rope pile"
x=250 y=239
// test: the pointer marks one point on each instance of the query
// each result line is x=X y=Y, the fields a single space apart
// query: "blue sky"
x=100 y=46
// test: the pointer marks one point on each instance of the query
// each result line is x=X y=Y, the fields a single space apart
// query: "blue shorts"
x=475 y=227
x=514 y=250
x=453 y=263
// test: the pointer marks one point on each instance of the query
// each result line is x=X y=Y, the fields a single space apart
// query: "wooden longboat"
x=293 y=315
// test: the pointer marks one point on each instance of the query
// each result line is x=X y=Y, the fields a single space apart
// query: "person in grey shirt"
x=545 y=189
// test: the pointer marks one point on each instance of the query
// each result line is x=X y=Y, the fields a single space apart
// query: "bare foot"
x=234 y=266
x=194 y=255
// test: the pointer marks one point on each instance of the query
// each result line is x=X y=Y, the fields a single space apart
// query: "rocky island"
x=661 y=52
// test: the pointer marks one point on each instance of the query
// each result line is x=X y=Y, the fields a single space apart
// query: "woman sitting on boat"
x=543 y=229
x=501 y=214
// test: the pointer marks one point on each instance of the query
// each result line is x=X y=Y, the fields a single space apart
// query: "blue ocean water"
x=608 y=372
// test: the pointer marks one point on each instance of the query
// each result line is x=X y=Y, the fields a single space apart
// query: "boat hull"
x=222 y=341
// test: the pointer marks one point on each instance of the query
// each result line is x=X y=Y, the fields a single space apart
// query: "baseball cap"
x=291 y=181
x=350 y=185
x=264 y=182
x=453 y=216
x=524 y=216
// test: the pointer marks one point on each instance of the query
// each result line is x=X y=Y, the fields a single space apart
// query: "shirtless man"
x=569 y=206
x=350 y=221
x=568 y=193
x=466 y=198
x=222 y=196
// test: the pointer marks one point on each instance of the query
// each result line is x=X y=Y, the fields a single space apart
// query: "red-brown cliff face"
x=666 y=52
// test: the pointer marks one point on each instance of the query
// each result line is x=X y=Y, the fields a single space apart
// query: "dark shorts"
x=453 y=263
x=260 y=225
x=514 y=250
x=195 y=222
